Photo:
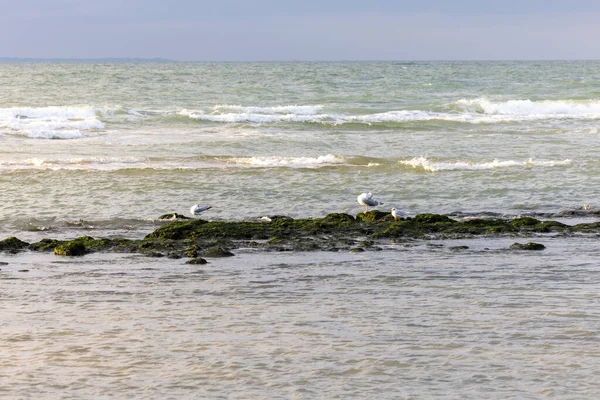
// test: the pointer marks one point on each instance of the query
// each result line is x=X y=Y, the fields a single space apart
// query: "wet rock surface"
x=197 y=238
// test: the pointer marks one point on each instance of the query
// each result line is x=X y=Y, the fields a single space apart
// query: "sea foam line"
x=297 y=162
x=436 y=166
x=471 y=111
x=548 y=108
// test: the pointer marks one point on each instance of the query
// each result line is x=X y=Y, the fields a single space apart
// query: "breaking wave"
x=475 y=111
x=68 y=122
x=296 y=162
x=428 y=165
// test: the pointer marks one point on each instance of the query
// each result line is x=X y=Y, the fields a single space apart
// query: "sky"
x=307 y=30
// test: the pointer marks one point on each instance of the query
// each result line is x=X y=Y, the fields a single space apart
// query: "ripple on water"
x=446 y=324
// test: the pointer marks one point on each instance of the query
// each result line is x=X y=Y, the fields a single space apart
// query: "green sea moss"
x=45 y=244
x=72 y=248
x=13 y=244
x=527 y=246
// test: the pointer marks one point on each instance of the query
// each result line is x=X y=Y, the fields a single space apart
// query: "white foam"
x=289 y=109
x=472 y=111
x=81 y=163
x=68 y=122
x=547 y=108
x=328 y=159
x=247 y=117
x=435 y=166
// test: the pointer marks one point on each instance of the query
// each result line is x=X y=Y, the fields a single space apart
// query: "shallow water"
x=104 y=149
x=416 y=320
x=111 y=142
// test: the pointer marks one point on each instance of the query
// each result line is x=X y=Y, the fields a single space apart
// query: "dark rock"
x=217 y=251
x=13 y=244
x=458 y=248
x=197 y=261
x=172 y=216
x=527 y=246
x=432 y=219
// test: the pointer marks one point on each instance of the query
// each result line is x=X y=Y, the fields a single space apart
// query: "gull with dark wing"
x=367 y=200
x=197 y=209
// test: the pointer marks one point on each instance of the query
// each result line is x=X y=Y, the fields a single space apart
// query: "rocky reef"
x=197 y=238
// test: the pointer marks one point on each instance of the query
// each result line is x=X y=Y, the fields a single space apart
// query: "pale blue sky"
x=264 y=30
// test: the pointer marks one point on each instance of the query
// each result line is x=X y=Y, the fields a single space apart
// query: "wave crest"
x=297 y=162
x=428 y=165
x=54 y=122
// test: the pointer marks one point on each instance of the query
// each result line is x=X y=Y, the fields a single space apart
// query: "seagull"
x=366 y=199
x=398 y=213
x=197 y=209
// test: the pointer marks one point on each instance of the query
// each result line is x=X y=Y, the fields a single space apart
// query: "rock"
x=172 y=216
x=432 y=219
x=197 y=261
x=13 y=244
x=45 y=245
x=458 y=248
x=527 y=246
x=217 y=251
x=524 y=222
x=72 y=248
x=372 y=216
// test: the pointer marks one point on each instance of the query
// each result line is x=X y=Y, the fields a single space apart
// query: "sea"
x=105 y=148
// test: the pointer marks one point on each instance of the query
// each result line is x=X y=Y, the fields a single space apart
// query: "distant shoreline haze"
x=116 y=59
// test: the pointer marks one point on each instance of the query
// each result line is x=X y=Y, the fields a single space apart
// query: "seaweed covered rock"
x=45 y=244
x=83 y=245
x=432 y=219
x=372 y=216
x=72 y=248
x=13 y=244
x=197 y=261
x=172 y=216
x=217 y=251
x=524 y=222
x=527 y=246
x=587 y=227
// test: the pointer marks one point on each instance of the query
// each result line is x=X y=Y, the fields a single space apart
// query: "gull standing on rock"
x=366 y=199
x=397 y=214
x=197 y=209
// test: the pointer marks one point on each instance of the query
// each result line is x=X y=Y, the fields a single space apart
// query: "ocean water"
x=103 y=149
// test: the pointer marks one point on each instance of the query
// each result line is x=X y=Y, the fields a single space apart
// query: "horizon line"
x=160 y=59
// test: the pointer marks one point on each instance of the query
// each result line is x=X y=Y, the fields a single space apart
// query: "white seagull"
x=197 y=209
x=366 y=199
x=398 y=213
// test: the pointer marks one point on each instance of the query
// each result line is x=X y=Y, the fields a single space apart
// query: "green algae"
x=217 y=251
x=527 y=246
x=195 y=238
x=13 y=244
x=72 y=248
x=45 y=244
